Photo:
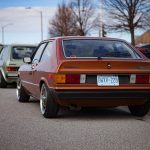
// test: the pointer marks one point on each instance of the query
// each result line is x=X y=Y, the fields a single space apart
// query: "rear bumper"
x=11 y=77
x=102 y=94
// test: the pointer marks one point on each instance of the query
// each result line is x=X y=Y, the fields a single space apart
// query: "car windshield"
x=19 y=52
x=89 y=48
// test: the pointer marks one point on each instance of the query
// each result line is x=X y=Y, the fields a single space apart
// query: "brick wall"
x=144 y=38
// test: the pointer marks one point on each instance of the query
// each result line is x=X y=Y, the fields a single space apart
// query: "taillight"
x=10 y=68
x=70 y=78
x=73 y=78
x=60 y=78
x=139 y=79
x=142 y=79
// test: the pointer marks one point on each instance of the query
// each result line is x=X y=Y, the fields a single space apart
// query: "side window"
x=4 y=53
x=38 y=53
x=47 y=52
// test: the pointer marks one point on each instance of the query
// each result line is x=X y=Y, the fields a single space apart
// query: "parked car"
x=1 y=47
x=145 y=49
x=85 y=71
x=11 y=57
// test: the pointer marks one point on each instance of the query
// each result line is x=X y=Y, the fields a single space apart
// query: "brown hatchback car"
x=85 y=72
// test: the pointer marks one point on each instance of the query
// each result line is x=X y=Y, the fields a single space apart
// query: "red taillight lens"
x=69 y=78
x=142 y=79
x=72 y=79
x=10 y=68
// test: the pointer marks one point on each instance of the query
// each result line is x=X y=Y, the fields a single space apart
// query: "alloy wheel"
x=43 y=99
x=18 y=89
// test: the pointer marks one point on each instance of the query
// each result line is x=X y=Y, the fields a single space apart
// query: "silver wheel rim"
x=18 y=89
x=43 y=99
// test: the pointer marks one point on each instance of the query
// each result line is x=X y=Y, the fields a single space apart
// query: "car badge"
x=108 y=66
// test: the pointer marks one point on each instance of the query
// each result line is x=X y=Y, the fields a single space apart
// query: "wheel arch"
x=43 y=81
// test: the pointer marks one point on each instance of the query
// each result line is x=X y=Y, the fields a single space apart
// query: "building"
x=144 y=38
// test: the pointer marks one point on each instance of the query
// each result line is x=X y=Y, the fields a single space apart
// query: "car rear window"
x=22 y=51
x=91 y=48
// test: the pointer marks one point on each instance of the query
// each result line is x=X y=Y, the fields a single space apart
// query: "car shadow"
x=93 y=113
x=33 y=100
x=12 y=86
x=96 y=113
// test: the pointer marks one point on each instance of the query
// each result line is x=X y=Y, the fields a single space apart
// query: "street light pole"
x=41 y=20
x=101 y=20
x=3 y=32
x=41 y=25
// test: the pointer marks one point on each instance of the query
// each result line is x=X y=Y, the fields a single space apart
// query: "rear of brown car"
x=88 y=72
x=112 y=79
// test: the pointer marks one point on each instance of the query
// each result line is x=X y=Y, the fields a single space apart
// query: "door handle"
x=33 y=66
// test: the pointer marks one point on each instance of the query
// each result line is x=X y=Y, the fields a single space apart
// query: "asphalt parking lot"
x=23 y=127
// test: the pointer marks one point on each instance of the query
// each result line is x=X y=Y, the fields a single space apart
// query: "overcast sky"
x=25 y=23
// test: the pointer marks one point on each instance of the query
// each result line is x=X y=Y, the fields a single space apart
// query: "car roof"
x=33 y=45
x=84 y=37
x=141 y=45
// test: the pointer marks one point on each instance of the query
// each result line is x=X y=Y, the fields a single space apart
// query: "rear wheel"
x=22 y=95
x=48 y=107
x=3 y=83
x=140 y=110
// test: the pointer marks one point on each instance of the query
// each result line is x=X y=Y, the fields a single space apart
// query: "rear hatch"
x=91 y=74
x=102 y=63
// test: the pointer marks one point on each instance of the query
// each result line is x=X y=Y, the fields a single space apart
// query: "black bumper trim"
x=102 y=94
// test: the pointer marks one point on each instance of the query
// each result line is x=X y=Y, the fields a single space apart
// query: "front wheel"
x=3 y=83
x=140 y=110
x=48 y=107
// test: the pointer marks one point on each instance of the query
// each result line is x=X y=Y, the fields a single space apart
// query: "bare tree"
x=63 y=23
x=128 y=15
x=84 y=14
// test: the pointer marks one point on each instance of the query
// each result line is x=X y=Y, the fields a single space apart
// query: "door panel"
x=33 y=69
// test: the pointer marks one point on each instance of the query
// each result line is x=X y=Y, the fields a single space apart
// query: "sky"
x=22 y=25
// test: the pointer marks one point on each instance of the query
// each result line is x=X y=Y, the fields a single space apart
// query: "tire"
x=48 y=107
x=3 y=83
x=140 y=110
x=22 y=95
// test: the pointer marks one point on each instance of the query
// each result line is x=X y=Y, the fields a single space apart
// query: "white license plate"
x=12 y=74
x=107 y=80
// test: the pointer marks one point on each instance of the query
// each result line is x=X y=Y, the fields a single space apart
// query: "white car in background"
x=11 y=58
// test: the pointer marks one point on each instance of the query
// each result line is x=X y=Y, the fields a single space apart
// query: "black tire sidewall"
x=140 y=110
x=24 y=97
x=3 y=83
x=52 y=108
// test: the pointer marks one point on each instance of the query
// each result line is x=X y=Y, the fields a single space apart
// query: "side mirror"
x=27 y=60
